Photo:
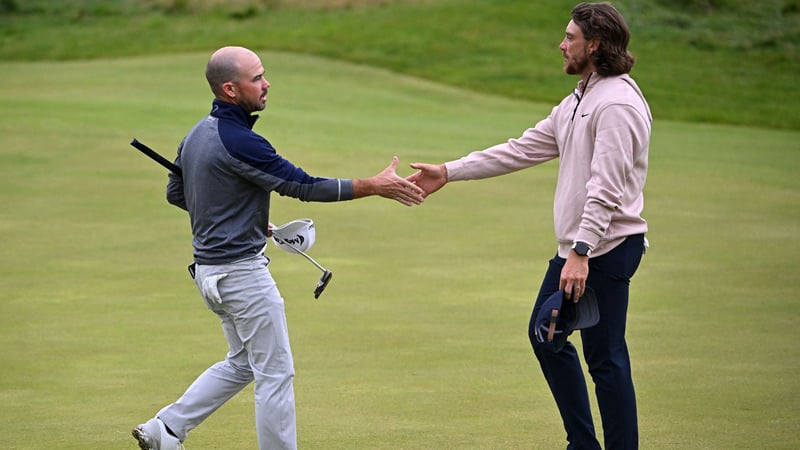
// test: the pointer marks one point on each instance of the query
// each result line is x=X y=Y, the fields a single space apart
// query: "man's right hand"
x=388 y=184
x=431 y=177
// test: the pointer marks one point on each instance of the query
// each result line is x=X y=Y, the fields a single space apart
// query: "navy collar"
x=225 y=110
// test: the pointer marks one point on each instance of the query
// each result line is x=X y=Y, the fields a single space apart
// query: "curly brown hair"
x=603 y=22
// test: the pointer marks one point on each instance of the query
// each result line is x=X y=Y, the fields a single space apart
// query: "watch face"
x=582 y=248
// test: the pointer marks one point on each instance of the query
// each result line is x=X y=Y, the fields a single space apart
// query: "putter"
x=152 y=154
x=326 y=274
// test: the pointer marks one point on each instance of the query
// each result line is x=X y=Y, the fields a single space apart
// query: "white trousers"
x=246 y=299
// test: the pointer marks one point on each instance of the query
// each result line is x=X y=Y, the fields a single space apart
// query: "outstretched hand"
x=431 y=177
x=388 y=184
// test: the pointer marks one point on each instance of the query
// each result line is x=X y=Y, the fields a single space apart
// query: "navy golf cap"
x=566 y=316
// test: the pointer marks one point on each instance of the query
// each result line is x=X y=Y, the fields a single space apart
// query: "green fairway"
x=420 y=341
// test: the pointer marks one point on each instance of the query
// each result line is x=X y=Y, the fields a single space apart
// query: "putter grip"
x=152 y=154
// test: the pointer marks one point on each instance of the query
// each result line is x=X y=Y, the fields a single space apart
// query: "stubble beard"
x=254 y=106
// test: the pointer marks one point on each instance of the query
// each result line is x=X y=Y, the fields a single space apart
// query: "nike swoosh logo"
x=584 y=115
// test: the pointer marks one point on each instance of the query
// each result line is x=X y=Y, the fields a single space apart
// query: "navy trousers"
x=605 y=352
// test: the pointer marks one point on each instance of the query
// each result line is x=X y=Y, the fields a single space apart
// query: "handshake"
x=409 y=191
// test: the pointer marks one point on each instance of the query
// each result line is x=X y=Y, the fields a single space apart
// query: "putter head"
x=323 y=283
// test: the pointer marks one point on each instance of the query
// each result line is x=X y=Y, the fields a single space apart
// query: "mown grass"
x=711 y=61
x=420 y=341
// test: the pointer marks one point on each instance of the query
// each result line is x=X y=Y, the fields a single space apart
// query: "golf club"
x=156 y=157
x=326 y=274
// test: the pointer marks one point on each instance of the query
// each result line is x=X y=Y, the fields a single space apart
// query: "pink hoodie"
x=602 y=140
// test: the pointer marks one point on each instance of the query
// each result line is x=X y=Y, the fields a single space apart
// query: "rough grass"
x=719 y=62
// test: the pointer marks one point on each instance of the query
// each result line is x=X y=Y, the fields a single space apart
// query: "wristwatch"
x=582 y=248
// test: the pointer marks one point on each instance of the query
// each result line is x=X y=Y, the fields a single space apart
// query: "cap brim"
x=583 y=314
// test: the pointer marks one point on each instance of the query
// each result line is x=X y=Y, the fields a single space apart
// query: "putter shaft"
x=309 y=258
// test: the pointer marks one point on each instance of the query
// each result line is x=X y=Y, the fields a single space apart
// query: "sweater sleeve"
x=255 y=159
x=536 y=146
x=175 y=194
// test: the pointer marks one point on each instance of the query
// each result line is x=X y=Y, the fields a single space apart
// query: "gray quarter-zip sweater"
x=229 y=172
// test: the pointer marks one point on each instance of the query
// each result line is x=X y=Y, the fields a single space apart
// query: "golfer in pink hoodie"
x=601 y=133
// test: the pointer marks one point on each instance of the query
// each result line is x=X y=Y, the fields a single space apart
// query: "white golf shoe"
x=153 y=435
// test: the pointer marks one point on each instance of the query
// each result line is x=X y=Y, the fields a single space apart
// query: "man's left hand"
x=573 y=276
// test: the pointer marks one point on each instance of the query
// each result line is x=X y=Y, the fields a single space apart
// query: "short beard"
x=576 y=67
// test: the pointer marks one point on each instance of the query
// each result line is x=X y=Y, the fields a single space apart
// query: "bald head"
x=225 y=65
x=236 y=76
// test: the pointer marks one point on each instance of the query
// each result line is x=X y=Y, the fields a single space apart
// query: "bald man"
x=229 y=172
